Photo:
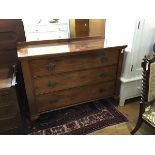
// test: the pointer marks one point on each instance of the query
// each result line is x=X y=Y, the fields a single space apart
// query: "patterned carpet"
x=78 y=120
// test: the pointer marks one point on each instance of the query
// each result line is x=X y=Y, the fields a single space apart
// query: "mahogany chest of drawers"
x=59 y=75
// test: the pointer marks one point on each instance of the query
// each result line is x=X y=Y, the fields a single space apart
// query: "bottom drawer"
x=73 y=96
x=9 y=123
x=7 y=111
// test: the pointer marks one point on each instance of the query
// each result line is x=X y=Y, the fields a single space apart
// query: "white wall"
x=140 y=42
x=148 y=35
x=120 y=32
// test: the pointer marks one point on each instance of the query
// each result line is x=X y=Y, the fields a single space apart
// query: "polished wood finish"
x=54 y=64
x=79 y=28
x=44 y=49
x=66 y=98
x=29 y=86
x=11 y=32
x=49 y=84
x=68 y=47
x=82 y=27
x=87 y=27
x=63 y=74
x=119 y=70
x=66 y=40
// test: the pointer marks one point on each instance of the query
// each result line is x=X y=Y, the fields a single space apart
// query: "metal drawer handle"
x=54 y=100
x=103 y=75
x=51 y=84
x=50 y=66
x=104 y=59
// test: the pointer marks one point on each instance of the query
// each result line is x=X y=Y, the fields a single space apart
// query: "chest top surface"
x=70 y=47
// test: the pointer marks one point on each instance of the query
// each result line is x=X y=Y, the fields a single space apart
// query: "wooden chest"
x=59 y=75
x=11 y=32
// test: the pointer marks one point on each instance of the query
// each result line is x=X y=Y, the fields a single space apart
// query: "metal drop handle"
x=50 y=66
x=51 y=84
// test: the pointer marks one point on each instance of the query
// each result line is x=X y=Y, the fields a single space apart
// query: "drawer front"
x=62 y=81
x=7 y=97
x=42 y=67
x=74 y=96
x=7 y=111
x=9 y=123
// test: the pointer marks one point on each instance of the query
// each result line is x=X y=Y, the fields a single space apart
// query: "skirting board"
x=130 y=88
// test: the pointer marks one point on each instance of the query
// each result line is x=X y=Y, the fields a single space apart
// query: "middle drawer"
x=68 y=80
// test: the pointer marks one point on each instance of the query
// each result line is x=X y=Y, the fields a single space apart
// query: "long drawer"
x=7 y=111
x=9 y=123
x=51 y=65
x=7 y=97
x=62 y=81
x=74 y=96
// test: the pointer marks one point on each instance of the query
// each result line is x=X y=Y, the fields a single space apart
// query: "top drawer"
x=51 y=65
